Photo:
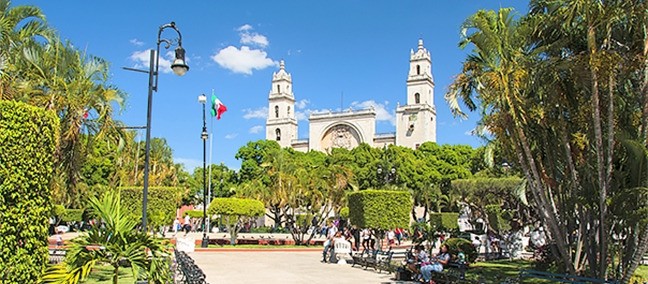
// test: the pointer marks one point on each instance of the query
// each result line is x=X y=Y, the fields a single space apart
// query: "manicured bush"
x=344 y=212
x=457 y=244
x=28 y=143
x=496 y=218
x=161 y=206
x=380 y=209
x=72 y=215
x=445 y=221
x=194 y=213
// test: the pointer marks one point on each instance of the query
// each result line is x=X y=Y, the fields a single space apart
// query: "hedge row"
x=28 y=143
x=161 y=206
x=380 y=209
x=445 y=220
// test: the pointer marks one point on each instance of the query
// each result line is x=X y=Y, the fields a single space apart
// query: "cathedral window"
x=276 y=111
x=417 y=98
x=288 y=111
x=278 y=88
x=278 y=132
x=418 y=69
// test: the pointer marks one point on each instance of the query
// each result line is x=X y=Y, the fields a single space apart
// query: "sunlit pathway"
x=281 y=267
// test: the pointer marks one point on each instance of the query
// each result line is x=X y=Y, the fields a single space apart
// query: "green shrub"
x=344 y=212
x=28 y=137
x=58 y=211
x=194 y=213
x=457 y=244
x=495 y=217
x=380 y=209
x=72 y=215
x=446 y=221
x=161 y=206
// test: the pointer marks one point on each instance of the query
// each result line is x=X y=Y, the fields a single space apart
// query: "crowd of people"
x=360 y=239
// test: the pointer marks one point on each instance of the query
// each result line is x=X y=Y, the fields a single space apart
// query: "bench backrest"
x=342 y=246
x=564 y=278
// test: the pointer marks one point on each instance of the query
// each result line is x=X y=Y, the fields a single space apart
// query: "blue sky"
x=355 y=49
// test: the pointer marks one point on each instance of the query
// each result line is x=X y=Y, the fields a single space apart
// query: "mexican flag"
x=218 y=108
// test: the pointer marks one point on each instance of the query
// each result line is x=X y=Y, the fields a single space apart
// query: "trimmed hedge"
x=445 y=221
x=161 y=206
x=236 y=207
x=344 y=212
x=455 y=244
x=28 y=143
x=72 y=215
x=380 y=209
x=194 y=213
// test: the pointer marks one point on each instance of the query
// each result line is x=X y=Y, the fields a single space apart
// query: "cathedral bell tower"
x=416 y=121
x=281 y=124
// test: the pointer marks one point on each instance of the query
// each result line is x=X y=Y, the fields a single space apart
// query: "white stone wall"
x=362 y=123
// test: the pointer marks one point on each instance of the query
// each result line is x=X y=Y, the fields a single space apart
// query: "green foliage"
x=344 y=212
x=496 y=219
x=234 y=211
x=236 y=207
x=28 y=137
x=161 y=206
x=445 y=221
x=194 y=213
x=116 y=242
x=58 y=210
x=380 y=209
x=458 y=244
x=72 y=215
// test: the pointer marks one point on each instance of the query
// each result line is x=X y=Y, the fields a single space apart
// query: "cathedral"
x=415 y=121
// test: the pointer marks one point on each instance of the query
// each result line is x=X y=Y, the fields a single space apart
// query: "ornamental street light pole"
x=205 y=240
x=179 y=67
x=388 y=177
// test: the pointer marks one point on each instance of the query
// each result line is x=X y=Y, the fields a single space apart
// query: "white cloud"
x=231 y=135
x=251 y=38
x=254 y=39
x=256 y=129
x=142 y=59
x=243 y=60
x=382 y=114
x=302 y=104
x=243 y=28
x=189 y=164
x=136 y=42
x=302 y=115
x=261 y=112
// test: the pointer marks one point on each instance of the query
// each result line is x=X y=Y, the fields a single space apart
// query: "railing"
x=188 y=271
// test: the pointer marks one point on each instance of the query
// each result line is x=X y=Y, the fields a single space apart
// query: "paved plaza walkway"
x=283 y=267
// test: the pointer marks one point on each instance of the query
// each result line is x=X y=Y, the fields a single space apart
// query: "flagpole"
x=211 y=142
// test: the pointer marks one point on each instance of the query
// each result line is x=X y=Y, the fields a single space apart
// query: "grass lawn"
x=103 y=275
x=499 y=270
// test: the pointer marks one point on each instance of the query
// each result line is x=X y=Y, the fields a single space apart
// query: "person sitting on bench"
x=436 y=264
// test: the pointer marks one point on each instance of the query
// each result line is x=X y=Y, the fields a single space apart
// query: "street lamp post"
x=388 y=177
x=179 y=67
x=205 y=240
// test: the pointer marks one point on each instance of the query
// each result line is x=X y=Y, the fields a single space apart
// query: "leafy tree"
x=235 y=212
x=559 y=89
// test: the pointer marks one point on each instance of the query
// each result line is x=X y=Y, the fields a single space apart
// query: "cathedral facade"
x=415 y=121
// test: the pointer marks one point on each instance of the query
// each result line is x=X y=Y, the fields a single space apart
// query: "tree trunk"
x=638 y=255
x=115 y=277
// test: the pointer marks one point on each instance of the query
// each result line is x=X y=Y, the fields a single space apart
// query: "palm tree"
x=19 y=27
x=112 y=241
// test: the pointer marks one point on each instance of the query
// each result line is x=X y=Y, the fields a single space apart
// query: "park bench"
x=562 y=278
x=189 y=272
x=452 y=273
x=381 y=261
x=56 y=255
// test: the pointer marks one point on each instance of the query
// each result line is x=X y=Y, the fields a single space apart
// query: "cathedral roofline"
x=342 y=114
